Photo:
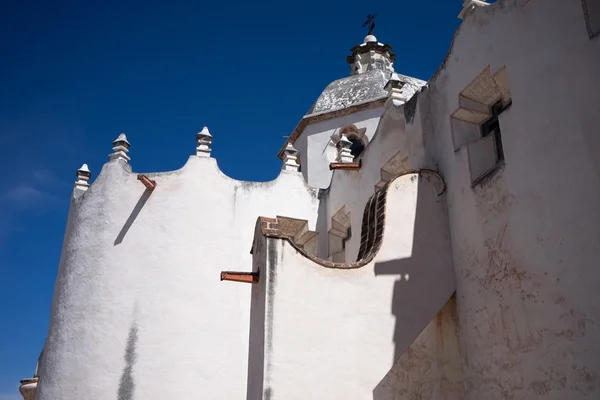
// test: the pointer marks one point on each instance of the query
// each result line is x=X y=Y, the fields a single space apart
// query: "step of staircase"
x=297 y=231
x=392 y=167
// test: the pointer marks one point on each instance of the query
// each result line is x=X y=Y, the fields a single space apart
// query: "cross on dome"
x=370 y=54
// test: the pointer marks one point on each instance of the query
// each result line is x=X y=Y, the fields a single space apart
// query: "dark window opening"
x=492 y=127
x=357 y=146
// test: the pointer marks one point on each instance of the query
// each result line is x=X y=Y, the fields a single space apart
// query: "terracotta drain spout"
x=150 y=184
x=348 y=166
x=246 y=277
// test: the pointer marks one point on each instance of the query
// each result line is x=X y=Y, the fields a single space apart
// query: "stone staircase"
x=394 y=166
x=339 y=232
x=296 y=230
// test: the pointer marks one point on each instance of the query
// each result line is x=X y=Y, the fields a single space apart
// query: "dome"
x=361 y=88
x=370 y=38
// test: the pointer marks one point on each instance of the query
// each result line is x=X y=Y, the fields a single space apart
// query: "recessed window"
x=487 y=154
x=492 y=127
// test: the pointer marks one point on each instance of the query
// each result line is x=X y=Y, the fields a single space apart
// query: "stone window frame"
x=492 y=127
x=476 y=118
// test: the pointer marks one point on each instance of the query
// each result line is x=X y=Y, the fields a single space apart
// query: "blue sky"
x=76 y=74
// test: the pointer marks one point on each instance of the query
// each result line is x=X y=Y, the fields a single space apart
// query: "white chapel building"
x=431 y=239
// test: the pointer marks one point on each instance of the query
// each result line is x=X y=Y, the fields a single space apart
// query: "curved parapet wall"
x=136 y=306
x=372 y=228
x=395 y=148
x=348 y=322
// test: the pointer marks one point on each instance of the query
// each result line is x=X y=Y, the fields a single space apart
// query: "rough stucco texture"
x=334 y=333
x=525 y=241
x=138 y=310
x=430 y=368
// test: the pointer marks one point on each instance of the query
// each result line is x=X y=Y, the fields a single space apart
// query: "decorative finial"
x=370 y=54
x=394 y=88
x=469 y=6
x=370 y=23
x=120 y=148
x=290 y=158
x=344 y=151
x=28 y=388
x=83 y=176
x=204 y=139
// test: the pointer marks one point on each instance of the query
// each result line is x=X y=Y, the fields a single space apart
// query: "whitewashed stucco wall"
x=146 y=317
x=333 y=333
x=525 y=242
x=140 y=318
x=431 y=367
x=312 y=144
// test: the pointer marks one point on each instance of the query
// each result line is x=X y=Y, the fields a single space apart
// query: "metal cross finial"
x=370 y=22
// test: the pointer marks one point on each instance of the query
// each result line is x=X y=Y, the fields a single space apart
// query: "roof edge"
x=483 y=11
x=326 y=115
